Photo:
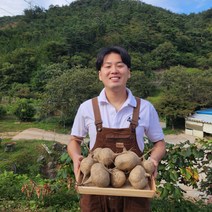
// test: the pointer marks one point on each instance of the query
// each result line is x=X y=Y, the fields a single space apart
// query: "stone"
x=59 y=147
x=41 y=159
x=51 y=165
x=9 y=147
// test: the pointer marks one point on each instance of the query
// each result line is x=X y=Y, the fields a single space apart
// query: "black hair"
x=113 y=49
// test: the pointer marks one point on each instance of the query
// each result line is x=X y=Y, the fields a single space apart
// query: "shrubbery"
x=2 y=111
x=24 y=110
x=179 y=166
x=11 y=184
x=183 y=165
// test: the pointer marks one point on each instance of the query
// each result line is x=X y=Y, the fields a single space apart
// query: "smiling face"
x=114 y=73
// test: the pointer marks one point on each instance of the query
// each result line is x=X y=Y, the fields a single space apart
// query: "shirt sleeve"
x=79 y=129
x=154 y=130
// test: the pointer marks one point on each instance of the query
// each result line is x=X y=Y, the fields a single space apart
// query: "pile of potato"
x=127 y=167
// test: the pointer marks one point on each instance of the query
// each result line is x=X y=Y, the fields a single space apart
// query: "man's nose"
x=114 y=69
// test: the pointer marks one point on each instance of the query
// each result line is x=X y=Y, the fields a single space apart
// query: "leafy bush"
x=171 y=205
x=25 y=111
x=205 y=184
x=182 y=165
x=2 y=111
x=60 y=196
x=11 y=184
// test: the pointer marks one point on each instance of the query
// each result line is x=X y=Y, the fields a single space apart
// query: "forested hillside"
x=43 y=44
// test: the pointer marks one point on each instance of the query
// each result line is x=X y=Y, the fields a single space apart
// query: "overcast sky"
x=16 y=7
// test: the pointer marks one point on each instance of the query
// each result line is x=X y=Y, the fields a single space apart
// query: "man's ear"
x=100 y=77
x=129 y=75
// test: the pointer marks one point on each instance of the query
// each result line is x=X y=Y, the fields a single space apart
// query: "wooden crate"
x=126 y=190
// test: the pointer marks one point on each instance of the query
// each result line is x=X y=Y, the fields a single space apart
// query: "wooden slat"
x=127 y=190
x=194 y=127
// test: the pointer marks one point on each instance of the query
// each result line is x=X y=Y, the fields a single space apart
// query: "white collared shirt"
x=148 y=123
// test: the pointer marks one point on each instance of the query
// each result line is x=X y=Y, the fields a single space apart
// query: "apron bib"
x=115 y=139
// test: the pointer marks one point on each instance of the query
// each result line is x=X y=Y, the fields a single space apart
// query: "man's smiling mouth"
x=114 y=77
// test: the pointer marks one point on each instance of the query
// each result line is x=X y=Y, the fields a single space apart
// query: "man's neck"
x=116 y=98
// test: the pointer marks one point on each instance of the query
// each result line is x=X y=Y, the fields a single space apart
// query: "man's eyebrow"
x=108 y=62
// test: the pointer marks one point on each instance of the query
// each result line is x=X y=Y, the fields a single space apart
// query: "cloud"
x=11 y=7
x=182 y=6
x=174 y=6
x=47 y=3
x=16 y=7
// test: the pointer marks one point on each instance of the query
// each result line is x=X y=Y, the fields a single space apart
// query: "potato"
x=85 y=166
x=117 y=178
x=138 y=177
x=99 y=176
x=127 y=163
x=140 y=184
x=95 y=153
x=127 y=160
x=148 y=166
x=106 y=156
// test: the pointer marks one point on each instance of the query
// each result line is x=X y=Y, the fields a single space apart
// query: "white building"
x=199 y=124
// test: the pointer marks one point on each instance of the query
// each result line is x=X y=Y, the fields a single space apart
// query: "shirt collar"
x=131 y=101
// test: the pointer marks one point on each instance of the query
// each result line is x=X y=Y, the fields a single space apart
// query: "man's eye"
x=120 y=66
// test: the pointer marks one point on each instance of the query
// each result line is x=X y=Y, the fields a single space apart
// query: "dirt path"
x=8 y=134
x=39 y=134
x=179 y=138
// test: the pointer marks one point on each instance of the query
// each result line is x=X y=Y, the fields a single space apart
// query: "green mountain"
x=72 y=35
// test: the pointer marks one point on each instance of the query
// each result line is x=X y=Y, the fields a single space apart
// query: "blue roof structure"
x=203 y=115
x=205 y=111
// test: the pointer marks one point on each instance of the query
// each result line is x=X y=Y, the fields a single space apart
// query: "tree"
x=34 y=13
x=173 y=107
x=20 y=90
x=66 y=92
x=165 y=55
x=79 y=60
x=140 y=84
x=184 y=90
x=45 y=74
x=55 y=50
x=202 y=92
x=19 y=69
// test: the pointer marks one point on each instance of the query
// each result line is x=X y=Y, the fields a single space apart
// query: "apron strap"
x=97 y=116
x=98 y=120
x=134 y=122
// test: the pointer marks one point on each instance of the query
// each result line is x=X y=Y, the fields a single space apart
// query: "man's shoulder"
x=146 y=104
x=86 y=103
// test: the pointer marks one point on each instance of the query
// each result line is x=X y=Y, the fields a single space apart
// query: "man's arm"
x=74 y=151
x=158 y=152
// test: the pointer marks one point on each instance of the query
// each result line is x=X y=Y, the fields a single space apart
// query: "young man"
x=115 y=119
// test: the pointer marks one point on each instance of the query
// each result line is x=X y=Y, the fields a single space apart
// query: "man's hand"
x=158 y=152
x=155 y=173
x=76 y=162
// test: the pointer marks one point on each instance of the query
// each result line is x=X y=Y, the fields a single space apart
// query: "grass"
x=167 y=131
x=11 y=124
x=24 y=151
x=183 y=205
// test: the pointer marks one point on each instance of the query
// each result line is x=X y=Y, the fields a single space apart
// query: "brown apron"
x=115 y=139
